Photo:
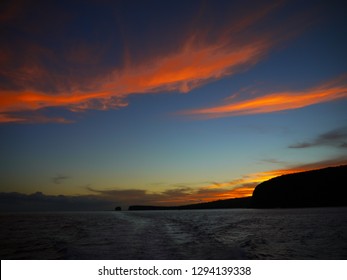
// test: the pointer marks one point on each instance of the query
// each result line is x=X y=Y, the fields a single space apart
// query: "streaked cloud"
x=273 y=160
x=59 y=179
x=171 y=196
x=266 y=175
x=77 y=79
x=336 y=161
x=336 y=138
x=181 y=195
x=188 y=68
x=277 y=101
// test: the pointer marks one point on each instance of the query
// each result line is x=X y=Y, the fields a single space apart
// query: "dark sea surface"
x=312 y=233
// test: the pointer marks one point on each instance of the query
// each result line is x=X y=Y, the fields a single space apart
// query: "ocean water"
x=315 y=233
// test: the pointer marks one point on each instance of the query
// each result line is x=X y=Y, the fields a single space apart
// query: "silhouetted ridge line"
x=325 y=187
x=244 y=202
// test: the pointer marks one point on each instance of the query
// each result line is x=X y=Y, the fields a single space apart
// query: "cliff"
x=317 y=188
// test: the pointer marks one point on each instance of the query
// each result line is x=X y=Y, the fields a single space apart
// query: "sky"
x=107 y=103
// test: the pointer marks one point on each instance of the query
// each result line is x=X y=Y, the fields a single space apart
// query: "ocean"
x=310 y=233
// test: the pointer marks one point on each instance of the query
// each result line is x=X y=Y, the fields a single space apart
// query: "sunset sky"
x=166 y=102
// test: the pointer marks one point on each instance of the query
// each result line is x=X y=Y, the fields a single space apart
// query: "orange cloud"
x=8 y=118
x=199 y=59
x=181 y=71
x=278 y=101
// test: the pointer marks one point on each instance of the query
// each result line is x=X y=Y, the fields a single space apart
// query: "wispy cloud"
x=171 y=196
x=277 y=101
x=59 y=179
x=181 y=71
x=273 y=160
x=293 y=168
x=336 y=138
x=41 y=79
x=340 y=160
x=181 y=195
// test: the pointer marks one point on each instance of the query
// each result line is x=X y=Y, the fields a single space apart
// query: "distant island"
x=325 y=187
x=244 y=202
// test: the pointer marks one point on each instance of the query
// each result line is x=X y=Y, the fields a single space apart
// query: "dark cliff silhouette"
x=118 y=208
x=316 y=188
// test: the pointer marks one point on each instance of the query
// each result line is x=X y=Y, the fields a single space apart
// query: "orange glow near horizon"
x=240 y=188
x=227 y=190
